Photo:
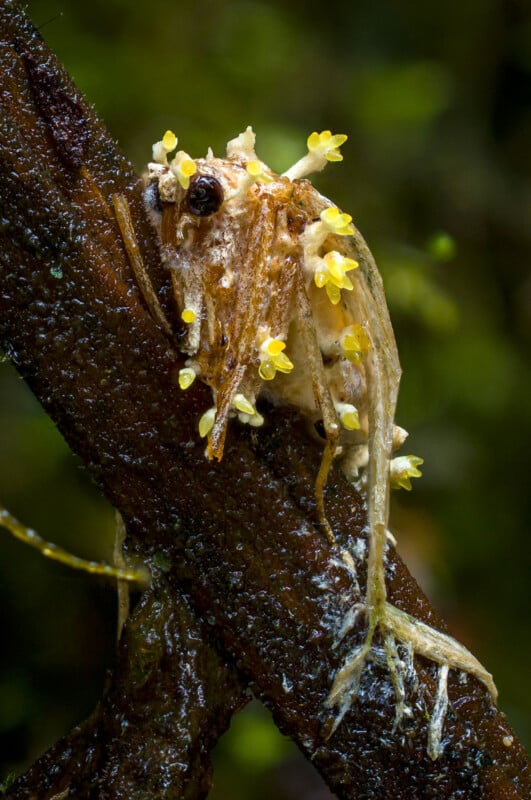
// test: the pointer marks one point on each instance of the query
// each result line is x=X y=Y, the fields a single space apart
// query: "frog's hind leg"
x=394 y=626
x=125 y=223
x=382 y=375
x=420 y=639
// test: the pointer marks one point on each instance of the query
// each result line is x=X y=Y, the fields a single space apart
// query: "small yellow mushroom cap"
x=326 y=144
x=355 y=338
x=402 y=469
x=337 y=267
x=273 y=359
x=337 y=222
x=348 y=416
x=322 y=148
x=206 y=423
x=267 y=370
x=183 y=167
x=273 y=347
x=243 y=404
x=283 y=363
x=258 y=171
x=331 y=272
x=163 y=147
x=169 y=141
x=188 y=315
x=186 y=377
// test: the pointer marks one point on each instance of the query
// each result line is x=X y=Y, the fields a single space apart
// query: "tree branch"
x=237 y=540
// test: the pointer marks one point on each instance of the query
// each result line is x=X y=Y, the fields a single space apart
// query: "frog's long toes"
x=435 y=646
x=403 y=675
x=347 y=682
x=414 y=638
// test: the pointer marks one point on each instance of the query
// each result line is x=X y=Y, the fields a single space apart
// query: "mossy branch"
x=246 y=589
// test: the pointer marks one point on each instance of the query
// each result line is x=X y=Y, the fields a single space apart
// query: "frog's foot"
x=345 y=687
x=416 y=637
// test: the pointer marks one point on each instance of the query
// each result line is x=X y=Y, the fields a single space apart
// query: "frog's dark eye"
x=204 y=196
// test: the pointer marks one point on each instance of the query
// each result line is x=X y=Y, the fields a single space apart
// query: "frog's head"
x=246 y=246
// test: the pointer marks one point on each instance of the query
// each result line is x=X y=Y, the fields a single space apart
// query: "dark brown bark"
x=236 y=542
x=170 y=698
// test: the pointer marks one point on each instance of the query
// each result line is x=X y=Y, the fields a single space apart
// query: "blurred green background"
x=436 y=100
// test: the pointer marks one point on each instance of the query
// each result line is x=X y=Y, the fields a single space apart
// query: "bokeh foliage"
x=436 y=99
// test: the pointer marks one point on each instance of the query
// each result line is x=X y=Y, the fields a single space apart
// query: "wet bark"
x=245 y=591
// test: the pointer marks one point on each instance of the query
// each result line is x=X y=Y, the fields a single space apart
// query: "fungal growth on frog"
x=260 y=265
x=280 y=298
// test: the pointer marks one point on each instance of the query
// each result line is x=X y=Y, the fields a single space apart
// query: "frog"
x=280 y=300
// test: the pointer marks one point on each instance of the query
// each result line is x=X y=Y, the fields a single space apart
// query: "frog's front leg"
x=127 y=230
